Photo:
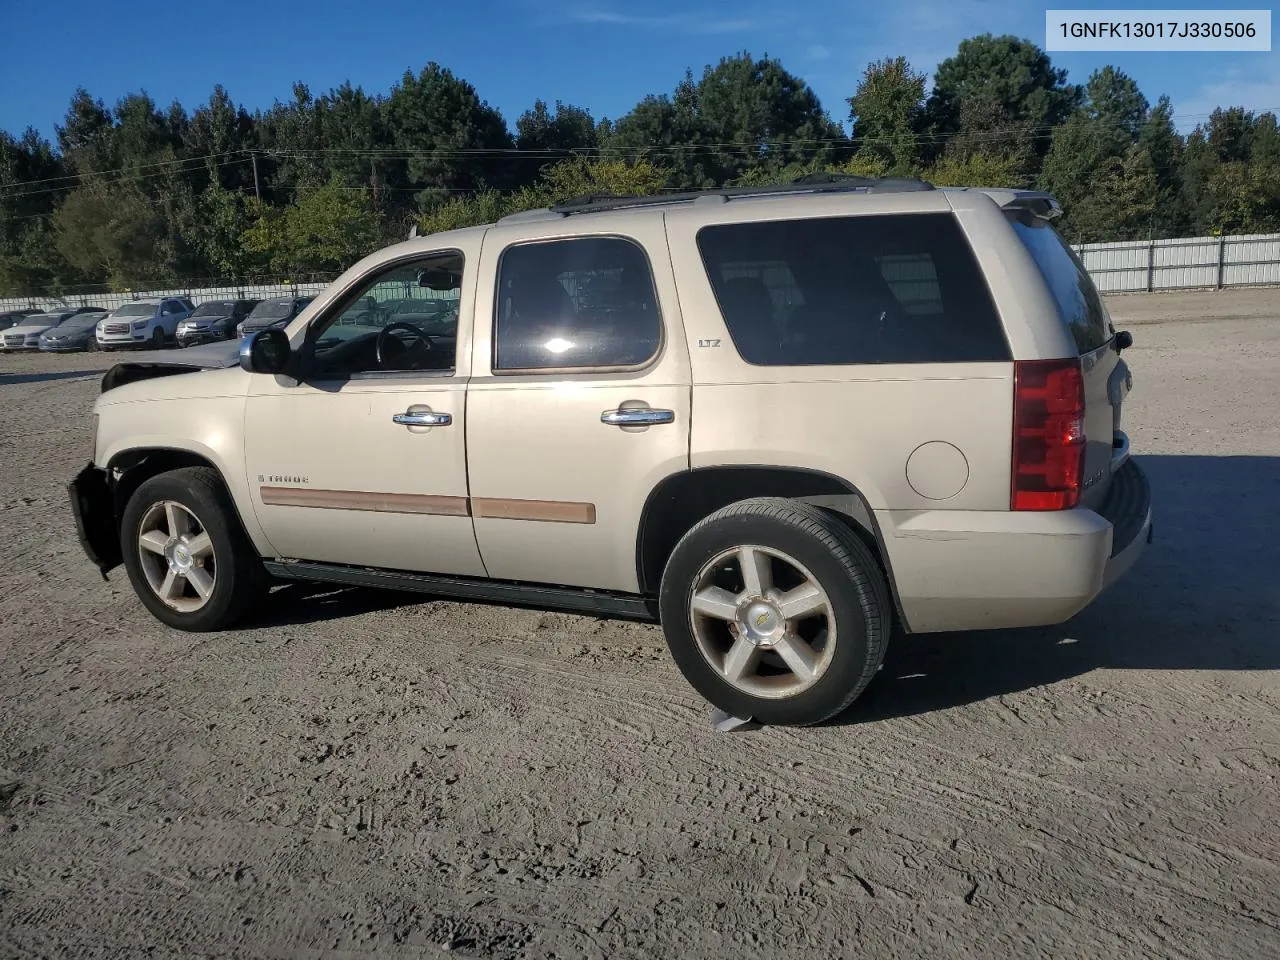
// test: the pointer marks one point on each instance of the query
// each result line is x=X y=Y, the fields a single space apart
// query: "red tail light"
x=1048 y=434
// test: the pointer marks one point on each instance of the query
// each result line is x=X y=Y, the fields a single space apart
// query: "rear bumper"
x=1128 y=509
x=93 y=508
x=962 y=570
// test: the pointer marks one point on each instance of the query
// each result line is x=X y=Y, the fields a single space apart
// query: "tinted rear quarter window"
x=900 y=288
x=1079 y=305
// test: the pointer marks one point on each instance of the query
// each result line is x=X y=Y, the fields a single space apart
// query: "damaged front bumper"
x=93 y=506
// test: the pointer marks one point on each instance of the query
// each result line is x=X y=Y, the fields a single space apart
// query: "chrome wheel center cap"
x=179 y=556
x=761 y=622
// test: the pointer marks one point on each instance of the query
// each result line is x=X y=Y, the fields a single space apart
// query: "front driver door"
x=363 y=462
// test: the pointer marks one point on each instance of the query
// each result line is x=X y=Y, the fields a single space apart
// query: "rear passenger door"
x=579 y=400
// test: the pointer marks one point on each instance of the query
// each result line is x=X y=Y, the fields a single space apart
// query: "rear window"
x=1079 y=305
x=901 y=288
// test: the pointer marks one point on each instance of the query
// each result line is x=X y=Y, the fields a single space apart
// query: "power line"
x=1018 y=132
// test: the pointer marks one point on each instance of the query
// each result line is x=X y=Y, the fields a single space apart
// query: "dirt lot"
x=369 y=773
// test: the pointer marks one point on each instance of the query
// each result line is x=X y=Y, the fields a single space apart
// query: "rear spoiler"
x=1035 y=202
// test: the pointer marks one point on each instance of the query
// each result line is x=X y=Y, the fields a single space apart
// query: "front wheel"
x=774 y=609
x=157 y=339
x=187 y=557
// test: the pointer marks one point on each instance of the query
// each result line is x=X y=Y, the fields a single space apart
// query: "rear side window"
x=1079 y=305
x=585 y=302
x=900 y=288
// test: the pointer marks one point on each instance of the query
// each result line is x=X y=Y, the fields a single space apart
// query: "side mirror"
x=1124 y=340
x=266 y=351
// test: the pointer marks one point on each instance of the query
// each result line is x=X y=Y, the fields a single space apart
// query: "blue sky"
x=600 y=54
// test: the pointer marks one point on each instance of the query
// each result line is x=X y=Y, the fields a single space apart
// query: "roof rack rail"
x=820 y=182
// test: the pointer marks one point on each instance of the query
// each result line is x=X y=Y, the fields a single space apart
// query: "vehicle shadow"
x=299 y=603
x=7 y=379
x=1205 y=595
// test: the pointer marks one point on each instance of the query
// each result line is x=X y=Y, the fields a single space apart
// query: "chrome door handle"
x=423 y=419
x=638 y=417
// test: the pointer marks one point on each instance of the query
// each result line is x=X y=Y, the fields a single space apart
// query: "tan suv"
x=781 y=421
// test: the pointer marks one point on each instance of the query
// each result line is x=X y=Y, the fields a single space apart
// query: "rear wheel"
x=773 y=609
x=189 y=561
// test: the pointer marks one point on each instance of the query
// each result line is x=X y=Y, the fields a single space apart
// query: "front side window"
x=356 y=337
x=900 y=288
x=136 y=310
x=273 y=310
x=587 y=302
x=214 y=308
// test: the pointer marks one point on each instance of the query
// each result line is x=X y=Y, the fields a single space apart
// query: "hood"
x=263 y=324
x=206 y=318
x=163 y=363
x=58 y=333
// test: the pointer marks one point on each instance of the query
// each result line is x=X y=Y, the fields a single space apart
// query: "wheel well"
x=136 y=467
x=682 y=499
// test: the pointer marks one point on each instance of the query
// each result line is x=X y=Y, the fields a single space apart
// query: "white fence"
x=1134 y=266
x=1129 y=266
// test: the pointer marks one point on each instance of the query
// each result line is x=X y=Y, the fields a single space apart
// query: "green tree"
x=743 y=116
x=326 y=231
x=887 y=113
x=544 y=137
x=455 y=140
x=114 y=234
x=219 y=139
x=1164 y=146
x=1001 y=96
x=1243 y=198
x=668 y=132
x=1097 y=166
x=975 y=170
x=86 y=135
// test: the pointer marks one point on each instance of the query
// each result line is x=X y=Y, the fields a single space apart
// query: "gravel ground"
x=366 y=773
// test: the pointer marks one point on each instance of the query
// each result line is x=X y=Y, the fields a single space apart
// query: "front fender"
x=211 y=430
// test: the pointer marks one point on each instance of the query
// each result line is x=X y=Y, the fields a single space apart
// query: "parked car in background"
x=75 y=333
x=214 y=320
x=10 y=318
x=26 y=334
x=143 y=323
x=365 y=312
x=425 y=313
x=276 y=312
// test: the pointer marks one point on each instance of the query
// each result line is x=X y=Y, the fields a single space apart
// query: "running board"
x=620 y=606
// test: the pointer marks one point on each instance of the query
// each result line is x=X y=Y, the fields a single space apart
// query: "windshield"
x=136 y=310
x=80 y=321
x=272 y=310
x=215 y=308
x=40 y=320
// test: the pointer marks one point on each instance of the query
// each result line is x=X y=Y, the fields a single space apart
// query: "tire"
x=158 y=339
x=806 y=549
x=91 y=346
x=237 y=578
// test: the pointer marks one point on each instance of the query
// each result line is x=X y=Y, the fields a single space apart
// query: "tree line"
x=134 y=195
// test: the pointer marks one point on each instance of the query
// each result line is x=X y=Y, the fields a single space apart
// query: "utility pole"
x=256 y=191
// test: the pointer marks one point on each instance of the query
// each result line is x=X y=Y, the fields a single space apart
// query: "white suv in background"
x=143 y=323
